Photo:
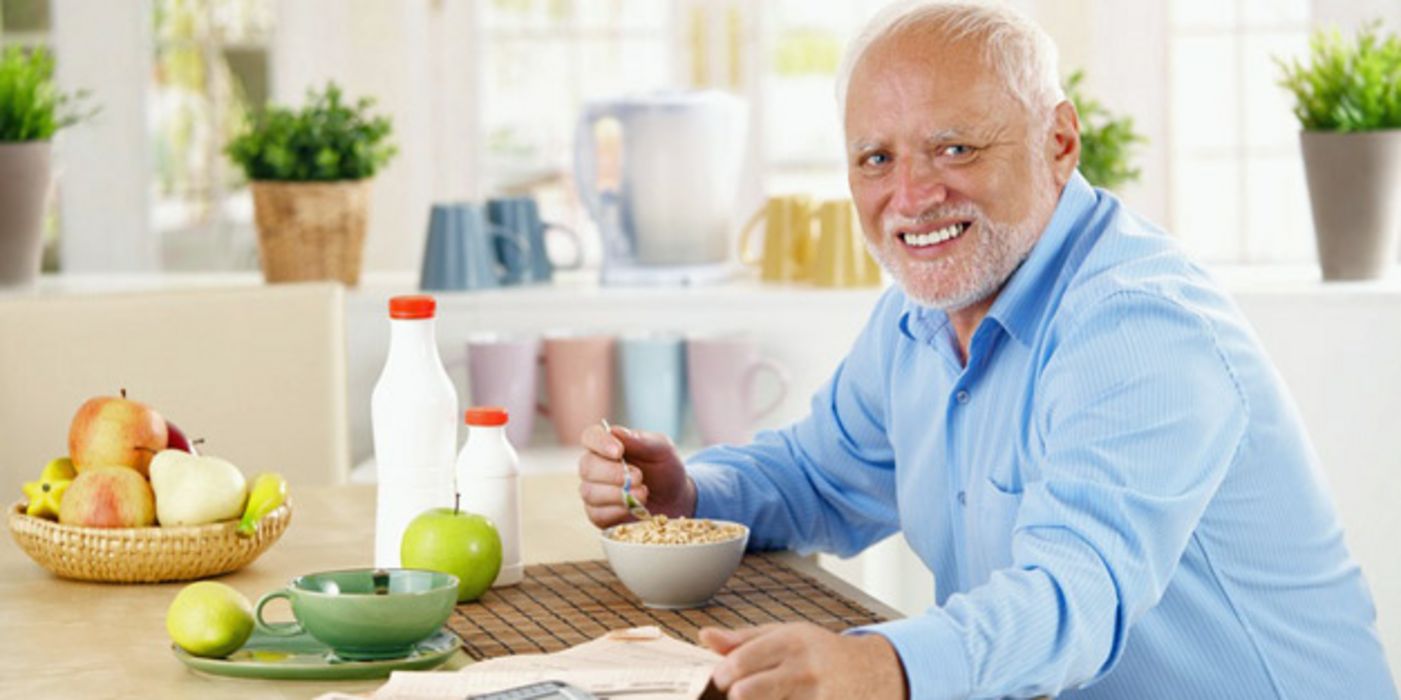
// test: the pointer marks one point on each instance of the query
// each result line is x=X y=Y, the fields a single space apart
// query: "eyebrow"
x=940 y=136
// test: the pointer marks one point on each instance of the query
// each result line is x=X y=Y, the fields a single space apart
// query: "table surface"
x=66 y=638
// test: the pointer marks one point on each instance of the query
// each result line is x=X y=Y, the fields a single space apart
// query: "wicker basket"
x=311 y=230
x=143 y=554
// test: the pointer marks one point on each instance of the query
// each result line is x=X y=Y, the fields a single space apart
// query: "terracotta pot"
x=24 y=191
x=311 y=230
x=1355 y=193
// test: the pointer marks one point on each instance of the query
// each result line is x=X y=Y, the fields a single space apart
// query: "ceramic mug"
x=578 y=382
x=724 y=373
x=460 y=252
x=841 y=258
x=788 y=240
x=653 y=366
x=504 y=371
x=364 y=614
x=528 y=264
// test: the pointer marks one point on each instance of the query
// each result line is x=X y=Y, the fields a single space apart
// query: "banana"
x=269 y=491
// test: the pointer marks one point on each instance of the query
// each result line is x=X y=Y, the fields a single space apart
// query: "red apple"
x=178 y=441
x=108 y=497
x=112 y=431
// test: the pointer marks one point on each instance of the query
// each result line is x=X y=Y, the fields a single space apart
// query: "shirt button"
x=962 y=498
x=962 y=396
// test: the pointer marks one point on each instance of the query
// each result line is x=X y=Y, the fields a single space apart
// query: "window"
x=1237 y=191
x=542 y=60
x=209 y=72
x=803 y=45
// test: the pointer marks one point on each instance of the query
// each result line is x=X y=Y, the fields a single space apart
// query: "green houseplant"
x=1347 y=97
x=1106 y=141
x=32 y=110
x=310 y=173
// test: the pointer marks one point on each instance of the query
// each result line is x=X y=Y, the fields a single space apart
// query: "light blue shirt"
x=1116 y=495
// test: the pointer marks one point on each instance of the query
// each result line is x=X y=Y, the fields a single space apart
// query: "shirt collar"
x=1022 y=301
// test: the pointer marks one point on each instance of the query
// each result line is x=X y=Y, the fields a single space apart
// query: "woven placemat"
x=557 y=606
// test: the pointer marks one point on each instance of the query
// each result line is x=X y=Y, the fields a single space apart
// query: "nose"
x=918 y=186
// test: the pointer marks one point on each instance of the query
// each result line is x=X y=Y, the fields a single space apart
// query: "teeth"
x=919 y=240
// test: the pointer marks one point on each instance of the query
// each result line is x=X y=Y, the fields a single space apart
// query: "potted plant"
x=1106 y=140
x=31 y=110
x=310 y=172
x=1348 y=101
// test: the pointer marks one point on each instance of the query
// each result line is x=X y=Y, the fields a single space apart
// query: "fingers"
x=606 y=516
x=604 y=494
x=767 y=685
x=756 y=649
x=601 y=442
x=722 y=641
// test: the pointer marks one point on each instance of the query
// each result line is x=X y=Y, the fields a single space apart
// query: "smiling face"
x=953 y=178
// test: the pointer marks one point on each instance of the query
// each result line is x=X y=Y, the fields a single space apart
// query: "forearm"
x=793 y=499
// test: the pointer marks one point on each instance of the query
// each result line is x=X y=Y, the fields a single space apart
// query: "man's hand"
x=802 y=660
x=659 y=478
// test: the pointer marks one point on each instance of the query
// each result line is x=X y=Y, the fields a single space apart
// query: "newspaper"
x=640 y=663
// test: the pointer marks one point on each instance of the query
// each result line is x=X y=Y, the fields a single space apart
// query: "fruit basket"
x=143 y=554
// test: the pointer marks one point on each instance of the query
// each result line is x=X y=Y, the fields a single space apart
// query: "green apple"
x=456 y=542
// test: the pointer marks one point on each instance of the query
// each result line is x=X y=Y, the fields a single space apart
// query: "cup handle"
x=574 y=239
x=751 y=377
x=513 y=239
x=747 y=257
x=276 y=629
x=541 y=408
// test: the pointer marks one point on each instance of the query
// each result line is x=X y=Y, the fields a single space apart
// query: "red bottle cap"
x=412 y=306
x=486 y=416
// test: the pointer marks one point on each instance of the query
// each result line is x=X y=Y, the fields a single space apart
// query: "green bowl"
x=366 y=613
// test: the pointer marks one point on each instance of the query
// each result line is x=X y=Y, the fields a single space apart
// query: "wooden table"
x=65 y=638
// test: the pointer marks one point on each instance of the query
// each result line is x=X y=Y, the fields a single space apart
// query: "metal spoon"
x=633 y=505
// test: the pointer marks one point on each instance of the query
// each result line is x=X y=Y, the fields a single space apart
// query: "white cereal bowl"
x=674 y=576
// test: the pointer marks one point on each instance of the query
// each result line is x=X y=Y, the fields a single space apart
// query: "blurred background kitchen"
x=560 y=101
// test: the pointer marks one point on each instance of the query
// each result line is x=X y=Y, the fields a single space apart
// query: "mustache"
x=892 y=223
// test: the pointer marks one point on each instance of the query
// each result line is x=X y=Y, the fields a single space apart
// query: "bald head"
x=1015 y=53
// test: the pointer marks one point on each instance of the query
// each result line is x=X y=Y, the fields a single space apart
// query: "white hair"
x=1018 y=51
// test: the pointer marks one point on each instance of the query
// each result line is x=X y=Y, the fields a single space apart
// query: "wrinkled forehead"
x=920 y=75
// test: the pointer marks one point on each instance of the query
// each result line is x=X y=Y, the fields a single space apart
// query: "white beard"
x=952 y=283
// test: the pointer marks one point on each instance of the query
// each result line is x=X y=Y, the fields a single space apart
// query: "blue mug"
x=528 y=263
x=654 y=381
x=461 y=252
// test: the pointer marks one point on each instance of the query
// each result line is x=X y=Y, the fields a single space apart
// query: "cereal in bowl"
x=663 y=530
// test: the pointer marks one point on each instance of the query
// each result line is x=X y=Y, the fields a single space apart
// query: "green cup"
x=364 y=614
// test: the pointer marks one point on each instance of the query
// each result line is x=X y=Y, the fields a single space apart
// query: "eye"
x=874 y=159
x=958 y=151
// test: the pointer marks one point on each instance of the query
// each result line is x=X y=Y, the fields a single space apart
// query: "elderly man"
x=1070 y=423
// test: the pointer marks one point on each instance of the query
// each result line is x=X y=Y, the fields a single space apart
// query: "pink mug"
x=578 y=383
x=723 y=372
x=503 y=370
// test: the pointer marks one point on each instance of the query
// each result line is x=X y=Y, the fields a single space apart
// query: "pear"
x=196 y=489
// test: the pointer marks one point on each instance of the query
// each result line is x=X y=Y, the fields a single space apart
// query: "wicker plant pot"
x=311 y=230
x=143 y=554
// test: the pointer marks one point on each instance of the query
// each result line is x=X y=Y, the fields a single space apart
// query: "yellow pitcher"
x=841 y=258
x=788 y=239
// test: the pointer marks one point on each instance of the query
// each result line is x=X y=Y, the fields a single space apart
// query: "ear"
x=1063 y=146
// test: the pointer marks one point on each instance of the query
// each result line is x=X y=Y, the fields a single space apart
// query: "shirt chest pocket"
x=994 y=501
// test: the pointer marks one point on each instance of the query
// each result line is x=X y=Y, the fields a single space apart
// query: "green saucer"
x=302 y=657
